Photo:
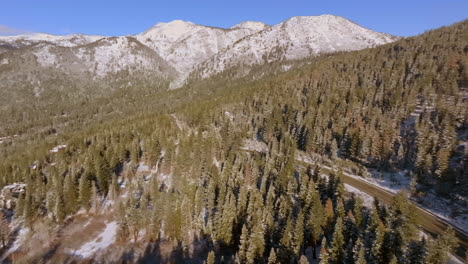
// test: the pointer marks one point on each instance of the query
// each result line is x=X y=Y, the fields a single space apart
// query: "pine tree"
x=114 y=188
x=243 y=246
x=316 y=220
x=334 y=150
x=417 y=252
x=393 y=259
x=103 y=174
x=59 y=209
x=329 y=217
x=439 y=248
x=303 y=260
x=122 y=221
x=256 y=244
x=70 y=194
x=374 y=236
x=272 y=259
x=28 y=208
x=299 y=234
x=359 y=252
x=287 y=241
x=358 y=211
x=337 y=249
x=84 y=191
x=4 y=230
x=134 y=218
x=211 y=258
x=324 y=252
x=20 y=205
x=96 y=200
x=135 y=151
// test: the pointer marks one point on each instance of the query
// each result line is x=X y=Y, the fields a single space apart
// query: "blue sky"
x=404 y=18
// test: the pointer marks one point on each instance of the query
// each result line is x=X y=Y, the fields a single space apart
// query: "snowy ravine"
x=103 y=240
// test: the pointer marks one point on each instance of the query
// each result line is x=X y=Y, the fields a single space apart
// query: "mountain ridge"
x=193 y=49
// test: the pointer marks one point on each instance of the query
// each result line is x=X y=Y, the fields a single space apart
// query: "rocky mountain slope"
x=296 y=38
x=31 y=39
x=184 y=44
x=174 y=50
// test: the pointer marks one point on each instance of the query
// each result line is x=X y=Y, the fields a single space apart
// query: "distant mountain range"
x=175 y=50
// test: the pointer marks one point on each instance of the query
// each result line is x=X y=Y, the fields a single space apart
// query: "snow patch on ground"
x=216 y=162
x=45 y=57
x=19 y=240
x=453 y=260
x=37 y=91
x=454 y=213
x=143 y=167
x=286 y=67
x=57 y=148
x=179 y=123
x=255 y=145
x=166 y=179
x=3 y=139
x=366 y=198
x=105 y=239
x=229 y=115
x=392 y=182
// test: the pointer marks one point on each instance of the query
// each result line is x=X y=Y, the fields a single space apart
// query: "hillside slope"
x=213 y=174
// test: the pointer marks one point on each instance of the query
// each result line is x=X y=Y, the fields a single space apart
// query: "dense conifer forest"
x=211 y=172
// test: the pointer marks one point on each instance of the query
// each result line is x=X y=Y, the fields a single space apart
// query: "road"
x=431 y=223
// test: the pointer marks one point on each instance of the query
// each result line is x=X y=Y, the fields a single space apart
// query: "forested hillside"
x=213 y=174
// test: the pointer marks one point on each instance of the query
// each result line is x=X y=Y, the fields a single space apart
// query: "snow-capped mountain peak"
x=60 y=40
x=183 y=46
x=296 y=38
x=170 y=30
x=253 y=25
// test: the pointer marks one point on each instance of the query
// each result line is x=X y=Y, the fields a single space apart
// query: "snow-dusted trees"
x=439 y=248
x=230 y=169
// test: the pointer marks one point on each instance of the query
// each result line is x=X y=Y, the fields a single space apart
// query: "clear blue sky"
x=404 y=18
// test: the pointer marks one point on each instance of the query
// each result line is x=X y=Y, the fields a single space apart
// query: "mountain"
x=30 y=39
x=296 y=38
x=112 y=62
x=362 y=152
x=179 y=48
x=185 y=44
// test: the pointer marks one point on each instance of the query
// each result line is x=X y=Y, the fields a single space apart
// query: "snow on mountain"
x=104 y=240
x=98 y=59
x=111 y=55
x=296 y=38
x=65 y=40
x=185 y=44
x=179 y=48
x=253 y=25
